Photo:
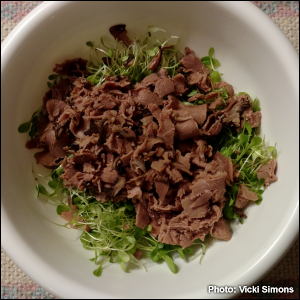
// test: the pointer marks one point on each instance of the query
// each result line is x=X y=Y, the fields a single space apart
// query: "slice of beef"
x=187 y=130
x=235 y=109
x=267 y=172
x=155 y=61
x=164 y=86
x=200 y=80
x=253 y=118
x=150 y=80
x=227 y=86
x=76 y=66
x=119 y=32
x=216 y=103
x=146 y=97
x=46 y=159
x=142 y=216
x=212 y=126
x=221 y=230
x=196 y=97
x=180 y=84
x=191 y=62
x=243 y=195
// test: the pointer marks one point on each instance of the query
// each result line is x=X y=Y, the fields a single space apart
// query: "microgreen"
x=31 y=125
x=141 y=52
x=248 y=152
x=113 y=233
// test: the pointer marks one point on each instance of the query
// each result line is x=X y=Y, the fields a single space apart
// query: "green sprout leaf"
x=24 y=127
x=215 y=77
x=154 y=29
x=110 y=53
x=211 y=52
x=41 y=190
x=90 y=44
x=98 y=271
x=169 y=260
x=61 y=208
x=192 y=93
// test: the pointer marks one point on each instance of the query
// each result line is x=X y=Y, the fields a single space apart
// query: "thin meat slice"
x=46 y=159
x=146 y=97
x=243 y=195
x=142 y=216
x=164 y=86
x=180 y=83
x=221 y=230
x=191 y=62
x=267 y=172
x=187 y=130
x=253 y=118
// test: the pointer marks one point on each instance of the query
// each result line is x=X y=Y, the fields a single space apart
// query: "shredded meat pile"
x=142 y=143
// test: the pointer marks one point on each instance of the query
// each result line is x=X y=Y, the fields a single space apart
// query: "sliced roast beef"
x=221 y=230
x=191 y=62
x=146 y=97
x=187 y=130
x=253 y=118
x=164 y=86
x=243 y=195
x=267 y=172
x=180 y=84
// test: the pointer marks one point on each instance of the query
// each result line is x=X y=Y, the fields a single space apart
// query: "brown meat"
x=187 y=130
x=221 y=230
x=191 y=62
x=243 y=195
x=267 y=172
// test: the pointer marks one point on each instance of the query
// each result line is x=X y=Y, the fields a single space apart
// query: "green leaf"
x=168 y=259
x=181 y=253
x=260 y=184
x=90 y=44
x=215 y=63
x=155 y=29
x=98 y=271
x=248 y=128
x=211 y=52
x=149 y=228
x=53 y=76
x=192 y=93
x=188 y=250
x=206 y=60
x=129 y=205
x=130 y=239
x=24 y=127
x=215 y=77
x=273 y=151
x=53 y=184
x=124 y=256
x=151 y=52
x=140 y=233
x=154 y=255
x=124 y=58
x=49 y=84
x=256 y=141
x=61 y=208
x=41 y=190
x=255 y=105
x=110 y=53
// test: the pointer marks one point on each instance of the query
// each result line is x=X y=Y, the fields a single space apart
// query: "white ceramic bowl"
x=256 y=57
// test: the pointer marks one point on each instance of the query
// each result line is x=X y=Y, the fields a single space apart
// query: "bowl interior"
x=261 y=63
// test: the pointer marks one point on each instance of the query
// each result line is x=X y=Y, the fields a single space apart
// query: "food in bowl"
x=152 y=150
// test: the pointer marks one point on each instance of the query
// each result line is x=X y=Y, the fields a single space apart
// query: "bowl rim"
x=288 y=234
